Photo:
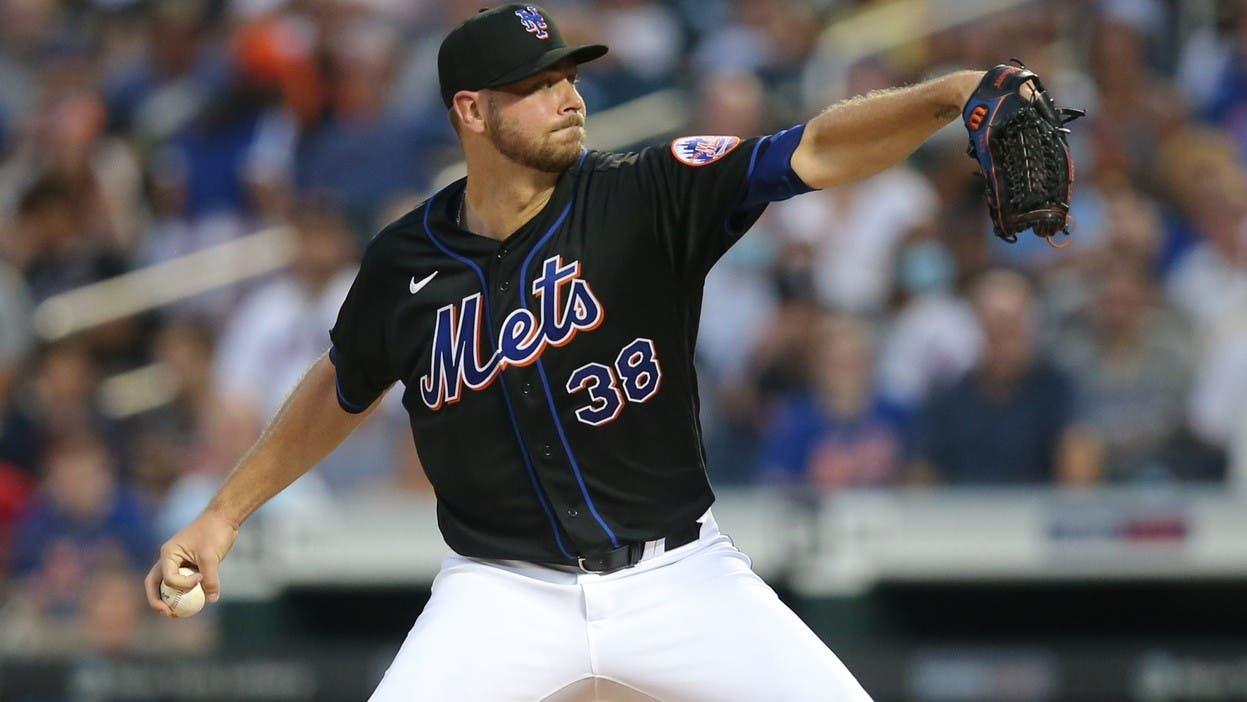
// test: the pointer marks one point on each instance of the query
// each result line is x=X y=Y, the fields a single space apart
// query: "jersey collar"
x=444 y=205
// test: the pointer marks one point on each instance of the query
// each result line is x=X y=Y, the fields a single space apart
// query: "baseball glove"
x=1019 y=143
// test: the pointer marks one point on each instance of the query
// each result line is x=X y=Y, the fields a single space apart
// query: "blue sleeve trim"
x=346 y=404
x=771 y=177
x=753 y=163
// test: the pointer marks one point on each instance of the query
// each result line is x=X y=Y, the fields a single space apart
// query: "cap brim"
x=579 y=54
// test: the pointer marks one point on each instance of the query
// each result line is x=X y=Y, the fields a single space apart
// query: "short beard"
x=539 y=156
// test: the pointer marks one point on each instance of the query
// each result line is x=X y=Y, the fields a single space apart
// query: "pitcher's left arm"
x=864 y=135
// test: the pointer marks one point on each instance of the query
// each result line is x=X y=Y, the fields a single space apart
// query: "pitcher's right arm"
x=309 y=425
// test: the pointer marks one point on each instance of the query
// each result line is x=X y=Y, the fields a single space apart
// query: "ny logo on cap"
x=533 y=22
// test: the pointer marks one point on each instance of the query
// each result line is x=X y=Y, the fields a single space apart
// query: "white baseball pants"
x=691 y=625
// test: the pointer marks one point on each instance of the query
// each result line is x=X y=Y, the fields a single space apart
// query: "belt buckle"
x=616 y=559
x=580 y=563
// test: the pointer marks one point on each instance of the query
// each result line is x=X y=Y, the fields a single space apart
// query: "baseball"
x=184 y=603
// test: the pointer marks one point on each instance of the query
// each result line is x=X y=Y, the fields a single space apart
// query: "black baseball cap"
x=503 y=45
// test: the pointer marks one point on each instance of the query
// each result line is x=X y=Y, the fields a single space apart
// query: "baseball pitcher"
x=541 y=315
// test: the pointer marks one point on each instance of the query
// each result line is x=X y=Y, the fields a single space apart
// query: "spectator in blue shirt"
x=1010 y=419
x=838 y=433
x=81 y=520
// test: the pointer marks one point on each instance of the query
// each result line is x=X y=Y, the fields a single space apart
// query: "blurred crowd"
x=873 y=336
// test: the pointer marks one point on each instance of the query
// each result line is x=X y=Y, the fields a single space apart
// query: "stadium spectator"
x=1217 y=266
x=855 y=230
x=1135 y=107
x=933 y=338
x=280 y=329
x=171 y=230
x=1187 y=162
x=357 y=147
x=1010 y=420
x=82 y=519
x=1132 y=230
x=1132 y=363
x=112 y=617
x=839 y=433
x=52 y=245
x=61 y=398
x=1211 y=278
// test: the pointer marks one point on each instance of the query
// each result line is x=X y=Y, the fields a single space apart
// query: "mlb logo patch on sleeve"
x=702 y=150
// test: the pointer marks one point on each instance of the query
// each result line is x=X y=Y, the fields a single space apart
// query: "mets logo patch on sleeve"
x=702 y=150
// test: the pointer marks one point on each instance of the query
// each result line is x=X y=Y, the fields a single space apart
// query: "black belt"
x=630 y=554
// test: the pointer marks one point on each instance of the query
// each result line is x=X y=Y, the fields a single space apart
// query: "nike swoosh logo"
x=414 y=287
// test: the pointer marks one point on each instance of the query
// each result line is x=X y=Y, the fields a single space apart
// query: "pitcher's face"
x=539 y=121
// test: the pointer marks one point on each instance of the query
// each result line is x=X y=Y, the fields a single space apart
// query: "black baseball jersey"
x=549 y=376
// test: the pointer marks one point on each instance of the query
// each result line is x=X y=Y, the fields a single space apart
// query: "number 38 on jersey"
x=635 y=376
x=565 y=305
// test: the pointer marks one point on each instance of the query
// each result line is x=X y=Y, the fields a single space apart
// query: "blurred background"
x=979 y=471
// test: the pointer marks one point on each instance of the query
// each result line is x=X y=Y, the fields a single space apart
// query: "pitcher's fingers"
x=151 y=585
x=211 y=578
x=172 y=559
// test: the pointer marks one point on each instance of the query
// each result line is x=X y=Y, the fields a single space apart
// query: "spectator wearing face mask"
x=934 y=337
